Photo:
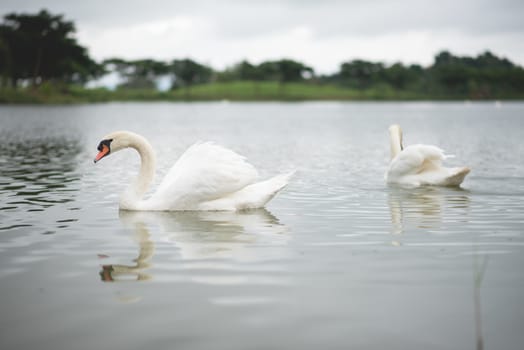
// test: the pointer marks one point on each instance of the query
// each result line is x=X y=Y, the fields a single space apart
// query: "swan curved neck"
x=146 y=174
x=395 y=139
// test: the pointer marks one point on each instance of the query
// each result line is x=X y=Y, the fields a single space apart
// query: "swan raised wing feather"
x=415 y=159
x=205 y=172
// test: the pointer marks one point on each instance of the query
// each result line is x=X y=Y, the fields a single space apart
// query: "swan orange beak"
x=104 y=152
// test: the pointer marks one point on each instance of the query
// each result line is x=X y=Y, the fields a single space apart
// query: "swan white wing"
x=415 y=159
x=204 y=172
x=253 y=196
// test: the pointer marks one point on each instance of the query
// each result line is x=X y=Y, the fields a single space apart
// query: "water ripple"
x=337 y=245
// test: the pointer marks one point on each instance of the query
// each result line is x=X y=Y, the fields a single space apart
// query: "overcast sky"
x=321 y=33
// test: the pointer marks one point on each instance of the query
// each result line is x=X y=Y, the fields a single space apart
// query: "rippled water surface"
x=338 y=260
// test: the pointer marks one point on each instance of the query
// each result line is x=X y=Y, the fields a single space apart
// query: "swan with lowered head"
x=418 y=165
x=205 y=177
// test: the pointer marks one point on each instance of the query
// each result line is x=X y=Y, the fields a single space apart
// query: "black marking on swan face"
x=105 y=143
x=104 y=148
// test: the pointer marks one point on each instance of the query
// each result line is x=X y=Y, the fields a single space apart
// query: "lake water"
x=338 y=260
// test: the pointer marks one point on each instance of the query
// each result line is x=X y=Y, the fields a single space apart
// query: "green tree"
x=361 y=74
x=5 y=63
x=283 y=71
x=137 y=74
x=187 y=72
x=484 y=76
x=42 y=48
x=248 y=71
x=241 y=71
x=293 y=71
x=401 y=77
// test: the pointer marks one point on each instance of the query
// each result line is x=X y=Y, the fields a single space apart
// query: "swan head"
x=114 y=142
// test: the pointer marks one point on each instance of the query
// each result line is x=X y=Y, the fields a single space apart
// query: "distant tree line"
x=483 y=76
x=40 y=48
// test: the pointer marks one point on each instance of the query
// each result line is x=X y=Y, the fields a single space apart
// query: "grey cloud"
x=472 y=24
x=364 y=18
x=327 y=18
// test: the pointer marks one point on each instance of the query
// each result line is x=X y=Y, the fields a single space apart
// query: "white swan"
x=205 y=177
x=418 y=165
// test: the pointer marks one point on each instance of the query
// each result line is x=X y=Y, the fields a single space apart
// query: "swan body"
x=418 y=165
x=206 y=177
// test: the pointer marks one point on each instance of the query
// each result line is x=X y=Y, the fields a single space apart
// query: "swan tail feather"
x=262 y=192
x=457 y=176
x=253 y=196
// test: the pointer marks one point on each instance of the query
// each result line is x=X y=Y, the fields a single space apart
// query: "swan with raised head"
x=418 y=165
x=206 y=177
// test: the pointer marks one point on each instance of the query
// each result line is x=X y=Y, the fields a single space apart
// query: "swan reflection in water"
x=425 y=207
x=136 y=271
x=196 y=236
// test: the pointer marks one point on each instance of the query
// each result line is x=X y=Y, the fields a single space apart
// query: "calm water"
x=336 y=261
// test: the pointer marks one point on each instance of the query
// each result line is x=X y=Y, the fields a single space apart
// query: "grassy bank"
x=253 y=91
x=234 y=91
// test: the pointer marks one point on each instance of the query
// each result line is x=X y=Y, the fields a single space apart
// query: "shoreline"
x=234 y=92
